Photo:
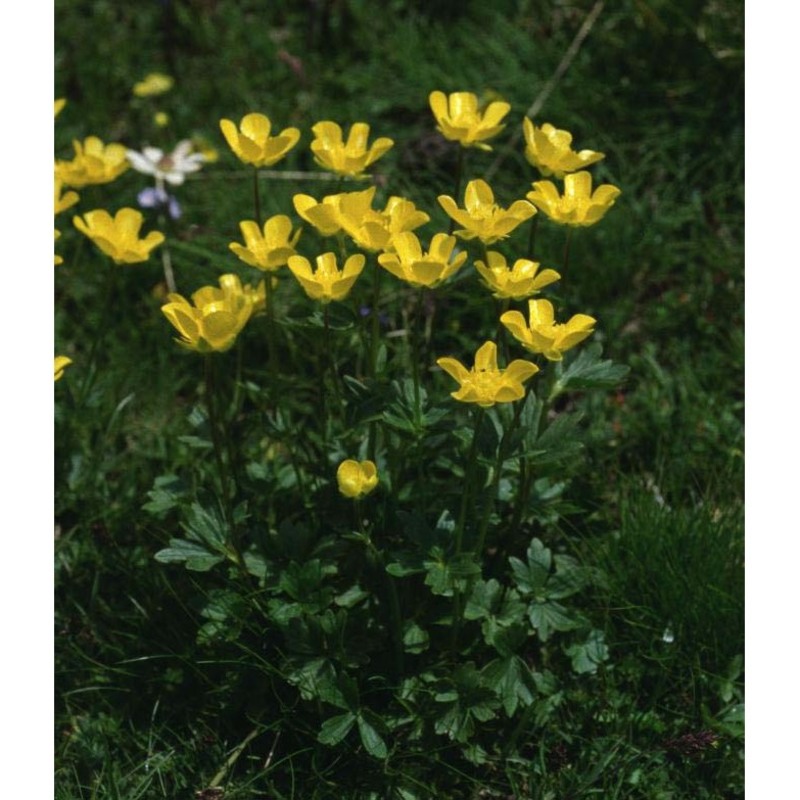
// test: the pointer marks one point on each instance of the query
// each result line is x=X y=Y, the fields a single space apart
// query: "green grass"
x=144 y=709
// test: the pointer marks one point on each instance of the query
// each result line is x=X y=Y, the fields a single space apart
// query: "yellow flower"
x=217 y=316
x=161 y=119
x=324 y=215
x=118 y=236
x=65 y=201
x=57 y=259
x=153 y=84
x=485 y=384
x=252 y=143
x=94 y=163
x=579 y=206
x=517 y=282
x=268 y=250
x=542 y=334
x=460 y=120
x=205 y=148
x=58 y=105
x=352 y=158
x=356 y=478
x=548 y=149
x=352 y=213
x=482 y=217
x=328 y=282
x=410 y=264
x=59 y=364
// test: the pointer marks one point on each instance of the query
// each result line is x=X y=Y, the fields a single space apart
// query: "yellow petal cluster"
x=214 y=318
x=486 y=384
x=549 y=150
x=352 y=213
x=328 y=282
x=93 y=163
x=351 y=158
x=542 y=334
x=57 y=258
x=118 y=236
x=481 y=217
x=58 y=105
x=61 y=202
x=458 y=118
x=356 y=478
x=59 y=364
x=578 y=206
x=267 y=249
x=252 y=142
x=517 y=282
x=409 y=263
x=153 y=84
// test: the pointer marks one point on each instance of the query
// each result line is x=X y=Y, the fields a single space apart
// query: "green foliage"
x=539 y=601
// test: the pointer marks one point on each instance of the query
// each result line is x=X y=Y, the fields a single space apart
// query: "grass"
x=144 y=708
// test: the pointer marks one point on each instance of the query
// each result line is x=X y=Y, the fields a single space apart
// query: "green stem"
x=498 y=468
x=566 y=250
x=222 y=469
x=532 y=235
x=108 y=305
x=469 y=478
x=256 y=196
x=457 y=185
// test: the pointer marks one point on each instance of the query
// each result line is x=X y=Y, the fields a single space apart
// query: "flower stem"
x=213 y=422
x=566 y=249
x=469 y=479
x=491 y=496
x=532 y=235
x=256 y=196
x=457 y=185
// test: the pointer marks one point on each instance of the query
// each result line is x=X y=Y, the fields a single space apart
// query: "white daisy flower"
x=170 y=167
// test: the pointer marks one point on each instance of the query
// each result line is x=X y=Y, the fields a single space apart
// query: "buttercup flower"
x=217 y=316
x=94 y=163
x=579 y=206
x=410 y=264
x=57 y=259
x=161 y=119
x=118 y=236
x=356 y=478
x=459 y=119
x=542 y=334
x=58 y=105
x=482 y=217
x=486 y=384
x=61 y=202
x=153 y=84
x=328 y=282
x=172 y=168
x=352 y=158
x=252 y=143
x=517 y=282
x=59 y=364
x=352 y=212
x=549 y=150
x=270 y=249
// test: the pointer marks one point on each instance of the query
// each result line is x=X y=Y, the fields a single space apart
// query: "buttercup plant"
x=409 y=617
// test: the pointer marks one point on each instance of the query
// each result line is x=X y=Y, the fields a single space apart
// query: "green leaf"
x=207 y=527
x=194 y=556
x=370 y=738
x=531 y=577
x=336 y=728
x=587 y=371
x=512 y=681
x=588 y=656
x=549 y=616
x=415 y=639
x=166 y=494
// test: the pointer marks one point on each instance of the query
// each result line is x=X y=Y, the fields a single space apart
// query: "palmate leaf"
x=588 y=656
x=512 y=682
x=194 y=556
x=368 y=724
x=336 y=728
x=588 y=371
x=549 y=616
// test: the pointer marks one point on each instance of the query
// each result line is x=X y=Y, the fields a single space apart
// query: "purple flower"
x=156 y=197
